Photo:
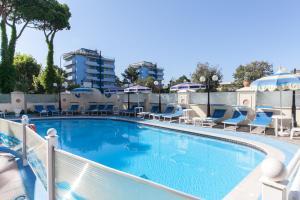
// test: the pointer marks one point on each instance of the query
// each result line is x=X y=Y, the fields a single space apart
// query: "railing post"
x=25 y=122
x=52 y=141
x=274 y=183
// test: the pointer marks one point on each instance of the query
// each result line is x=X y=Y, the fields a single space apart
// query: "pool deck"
x=283 y=148
x=11 y=181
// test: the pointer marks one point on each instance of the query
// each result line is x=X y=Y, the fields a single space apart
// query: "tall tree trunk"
x=49 y=75
x=12 y=45
x=4 y=42
x=7 y=71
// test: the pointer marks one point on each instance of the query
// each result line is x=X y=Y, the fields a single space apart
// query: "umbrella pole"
x=281 y=127
x=294 y=123
x=138 y=99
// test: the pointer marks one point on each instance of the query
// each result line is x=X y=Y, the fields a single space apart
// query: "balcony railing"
x=108 y=72
x=108 y=66
x=67 y=63
x=108 y=79
x=92 y=71
x=69 y=70
x=91 y=63
x=92 y=78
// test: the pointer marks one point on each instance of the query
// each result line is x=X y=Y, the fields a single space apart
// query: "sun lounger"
x=2 y=114
x=91 y=109
x=154 y=110
x=40 y=109
x=178 y=113
x=262 y=119
x=216 y=117
x=169 y=110
x=108 y=109
x=128 y=111
x=293 y=131
x=237 y=118
x=74 y=108
x=51 y=109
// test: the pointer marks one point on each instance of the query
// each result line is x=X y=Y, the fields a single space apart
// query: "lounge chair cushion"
x=262 y=119
x=237 y=117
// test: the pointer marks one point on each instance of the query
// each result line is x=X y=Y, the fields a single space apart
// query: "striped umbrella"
x=281 y=80
x=187 y=86
x=137 y=89
x=113 y=90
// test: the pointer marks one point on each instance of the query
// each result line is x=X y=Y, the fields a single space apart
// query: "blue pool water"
x=204 y=167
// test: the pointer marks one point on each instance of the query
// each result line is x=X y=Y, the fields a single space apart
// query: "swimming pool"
x=204 y=167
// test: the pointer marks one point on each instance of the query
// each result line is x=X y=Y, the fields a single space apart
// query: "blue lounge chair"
x=237 y=118
x=154 y=110
x=40 y=109
x=169 y=110
x=262 y=119
x=128 y=111
x=99 y=109
x=92 y=108
x=51 y=109
x=132 y=111
x=74 y=108
x=216 y=117
x=108 y=109
x=178 y=113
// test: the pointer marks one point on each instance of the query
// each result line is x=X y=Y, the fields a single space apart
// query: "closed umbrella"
x=281 y=81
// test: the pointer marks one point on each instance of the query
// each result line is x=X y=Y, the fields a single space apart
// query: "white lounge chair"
x=293 y=131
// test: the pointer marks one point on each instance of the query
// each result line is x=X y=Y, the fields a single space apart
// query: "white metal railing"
x=67 y=176
x=280 y=182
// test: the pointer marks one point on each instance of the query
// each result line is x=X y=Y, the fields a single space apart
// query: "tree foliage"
x=208 y=71
x=148 y=82
x=179 y=80
x=131 y=75
x=53 y=17
x=251 y=72
x=17 y=15
x=26 y=69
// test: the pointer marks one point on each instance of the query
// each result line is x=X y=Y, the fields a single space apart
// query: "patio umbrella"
x=78 y=91
x=114 y=90
x=281 y=81
x=137 y=89
x=187 y=86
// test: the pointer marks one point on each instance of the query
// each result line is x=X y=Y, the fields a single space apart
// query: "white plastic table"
x=186 y=116
x=277 y=118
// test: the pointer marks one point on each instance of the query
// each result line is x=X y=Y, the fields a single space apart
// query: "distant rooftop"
x=145 y=63
x=86 y=52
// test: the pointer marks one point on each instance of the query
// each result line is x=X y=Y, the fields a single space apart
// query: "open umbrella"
x=114 y=90
x=137 y=89
x=82 y=90
x=187 y=86
x=281 y=81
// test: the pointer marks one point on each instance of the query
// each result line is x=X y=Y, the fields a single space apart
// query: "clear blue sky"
x=179 y=33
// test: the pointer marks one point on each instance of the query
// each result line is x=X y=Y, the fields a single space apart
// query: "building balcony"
x=108 y=66
x=68 y=63
x=108 y=72
x=160 y=73
x=92 y=71
x=69 y=70
x=91 y=63
x=108 y=79
x=151 y=72
x=94 y=78
x=159 y=78
x=70 y=78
